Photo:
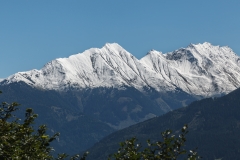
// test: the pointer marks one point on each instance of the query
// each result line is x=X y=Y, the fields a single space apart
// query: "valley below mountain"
x=214 y=129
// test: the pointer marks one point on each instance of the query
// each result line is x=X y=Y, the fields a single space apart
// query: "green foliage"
x=21 y=141
x=170 y=148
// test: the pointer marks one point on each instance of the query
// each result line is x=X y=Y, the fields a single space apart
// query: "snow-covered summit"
x=199 y=69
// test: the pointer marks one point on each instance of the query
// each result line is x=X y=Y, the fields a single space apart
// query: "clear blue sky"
x=33 y=33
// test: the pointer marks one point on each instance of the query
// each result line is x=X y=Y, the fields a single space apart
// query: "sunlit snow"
x=199 y=69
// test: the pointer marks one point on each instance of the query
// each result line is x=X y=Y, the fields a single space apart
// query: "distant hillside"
x=85 y=117
x=60 y=113
x=214 y=125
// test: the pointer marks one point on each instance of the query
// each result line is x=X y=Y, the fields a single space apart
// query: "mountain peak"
x=153 y=52
x=113 y=46
x=204 y=44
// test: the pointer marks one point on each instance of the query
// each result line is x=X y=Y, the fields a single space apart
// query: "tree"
x=171 y=148
x=21 y=141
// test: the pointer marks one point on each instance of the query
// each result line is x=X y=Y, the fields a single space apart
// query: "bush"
x=170 y=148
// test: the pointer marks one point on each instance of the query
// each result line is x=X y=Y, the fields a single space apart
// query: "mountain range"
x=92 y=94
x=202 y=70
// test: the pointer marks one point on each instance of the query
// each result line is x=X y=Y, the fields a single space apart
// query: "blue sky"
x=33 y=33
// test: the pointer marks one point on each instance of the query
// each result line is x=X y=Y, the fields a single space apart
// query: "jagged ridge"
x=201 y=69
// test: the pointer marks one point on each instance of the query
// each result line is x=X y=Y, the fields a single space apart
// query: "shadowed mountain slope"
x=214 y=127
x=84 y=117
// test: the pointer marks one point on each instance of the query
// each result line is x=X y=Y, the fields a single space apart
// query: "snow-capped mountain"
x=201 y=69
x=109 y=89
